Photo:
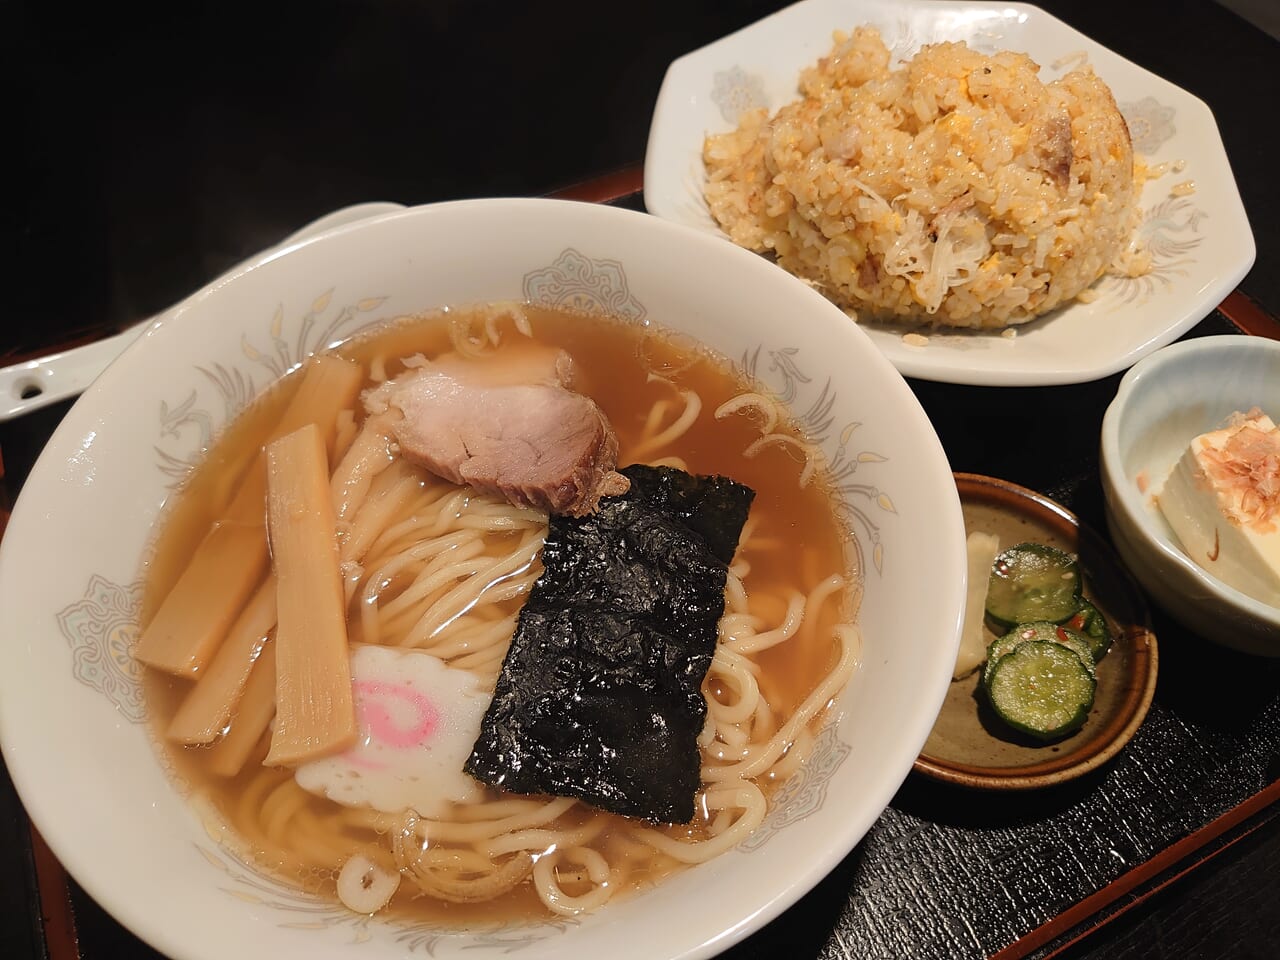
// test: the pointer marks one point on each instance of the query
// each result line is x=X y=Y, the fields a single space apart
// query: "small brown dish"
x=969 y=745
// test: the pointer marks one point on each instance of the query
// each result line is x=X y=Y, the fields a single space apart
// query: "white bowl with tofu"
x=81 y=720
x=1189 y=473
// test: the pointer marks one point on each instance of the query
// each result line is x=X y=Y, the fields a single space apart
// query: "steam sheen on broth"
x=445 y=570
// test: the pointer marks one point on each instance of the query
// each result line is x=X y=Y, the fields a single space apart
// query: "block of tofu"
x=1222 y=499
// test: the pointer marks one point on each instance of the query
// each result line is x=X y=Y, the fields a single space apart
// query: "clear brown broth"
x=613 y=361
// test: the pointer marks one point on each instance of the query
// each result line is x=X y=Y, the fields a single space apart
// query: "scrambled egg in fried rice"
x=959 y=190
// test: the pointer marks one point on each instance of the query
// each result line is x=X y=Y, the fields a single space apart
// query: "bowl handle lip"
x=35 y=384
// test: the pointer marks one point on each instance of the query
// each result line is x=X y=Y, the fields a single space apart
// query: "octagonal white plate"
x=1201 y=243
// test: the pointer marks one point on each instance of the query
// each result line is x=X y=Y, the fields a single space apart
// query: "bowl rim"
x=1124 y=496
x=807 y=874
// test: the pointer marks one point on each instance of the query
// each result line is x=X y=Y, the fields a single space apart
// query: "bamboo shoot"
x=208 y=705
x=228 y=565
x=315 y=712
x=253 y=715
x=203 y=604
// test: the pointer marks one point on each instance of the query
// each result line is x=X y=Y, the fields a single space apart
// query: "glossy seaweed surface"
x=599 y=696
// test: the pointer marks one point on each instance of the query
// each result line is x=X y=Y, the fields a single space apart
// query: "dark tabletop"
x=155 y=150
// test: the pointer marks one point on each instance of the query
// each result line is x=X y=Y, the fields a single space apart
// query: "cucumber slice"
x=1042 y=689
x=1031 y=582
x=1044 y=632
x=1092 y=625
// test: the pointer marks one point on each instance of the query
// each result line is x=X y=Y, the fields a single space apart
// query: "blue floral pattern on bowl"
x=575 y=281
x=101 y=628
x=805 y=791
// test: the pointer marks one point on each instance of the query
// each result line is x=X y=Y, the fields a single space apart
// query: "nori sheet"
x=600 y=696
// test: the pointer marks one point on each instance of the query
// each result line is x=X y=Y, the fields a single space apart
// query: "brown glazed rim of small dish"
x=1107 y=741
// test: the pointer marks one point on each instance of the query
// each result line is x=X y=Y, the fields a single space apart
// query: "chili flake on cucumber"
x=1043 y=631
x=1031 y=582
x=1089 y=621
x=1040 y=676
x=1042 y=688
x=1034 y=582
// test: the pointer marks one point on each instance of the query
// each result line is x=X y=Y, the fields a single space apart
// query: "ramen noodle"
x=430 y=566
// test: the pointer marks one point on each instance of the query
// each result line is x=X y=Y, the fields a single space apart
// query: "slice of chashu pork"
x=508 y=425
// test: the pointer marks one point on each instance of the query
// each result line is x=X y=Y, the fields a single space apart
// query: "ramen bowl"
x=73 y=716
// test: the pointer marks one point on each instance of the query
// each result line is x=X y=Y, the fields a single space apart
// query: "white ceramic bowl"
x=1165 y=401
x=1201 y=244
x=72 y=719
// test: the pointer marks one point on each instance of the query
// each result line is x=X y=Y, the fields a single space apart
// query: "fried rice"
x=959 y=189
